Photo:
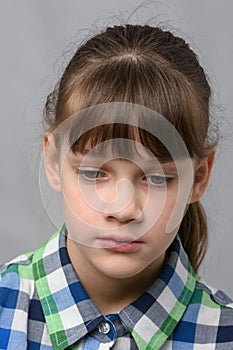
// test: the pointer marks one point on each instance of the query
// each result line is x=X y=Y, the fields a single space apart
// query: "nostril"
x=121 y=220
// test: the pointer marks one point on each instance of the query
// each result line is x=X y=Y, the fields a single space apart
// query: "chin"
x=123 y=270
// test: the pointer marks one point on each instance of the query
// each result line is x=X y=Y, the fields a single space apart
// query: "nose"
x=126 y=215
x=127 y=207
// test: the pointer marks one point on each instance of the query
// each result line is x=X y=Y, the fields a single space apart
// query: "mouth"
x=121 y=244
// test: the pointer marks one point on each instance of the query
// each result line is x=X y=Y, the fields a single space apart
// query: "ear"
x=202 y=176
x=51 y=161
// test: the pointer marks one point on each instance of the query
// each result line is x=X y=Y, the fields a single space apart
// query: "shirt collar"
x=153 y=316
x=70 y=314
x=68 y=310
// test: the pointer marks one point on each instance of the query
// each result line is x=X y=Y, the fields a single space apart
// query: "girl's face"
x=122 y=214
x=117 y=211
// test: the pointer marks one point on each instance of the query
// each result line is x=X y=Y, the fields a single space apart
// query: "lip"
x=121 y=244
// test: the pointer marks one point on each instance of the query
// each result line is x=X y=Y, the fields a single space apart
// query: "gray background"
x=35 y=37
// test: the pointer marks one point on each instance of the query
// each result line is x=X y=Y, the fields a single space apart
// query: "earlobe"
x=51 y=161
x=201 y=177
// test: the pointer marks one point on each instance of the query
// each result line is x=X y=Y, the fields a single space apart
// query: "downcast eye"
x=90 y=175
x=158 y=180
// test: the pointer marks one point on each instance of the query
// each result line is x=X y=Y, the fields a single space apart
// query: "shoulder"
x=211 y=310
x=13 y=270
x=19 y=295
x=18 y=273
x=16 y=290
x=213 y=297
x=16 y=279
x=207 y=322
x=18 y=276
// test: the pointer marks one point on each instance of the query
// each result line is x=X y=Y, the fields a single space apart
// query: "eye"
x=158 y=180
x=90 y=175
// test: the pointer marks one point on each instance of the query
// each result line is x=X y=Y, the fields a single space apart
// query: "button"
x=104 y=328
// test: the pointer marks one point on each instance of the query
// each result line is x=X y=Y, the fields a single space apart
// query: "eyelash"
x=83 y=176
x=82 y=173
x=168 y=180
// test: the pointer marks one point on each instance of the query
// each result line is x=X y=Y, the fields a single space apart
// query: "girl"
x=129 y=148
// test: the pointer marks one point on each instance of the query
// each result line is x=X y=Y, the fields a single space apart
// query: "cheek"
x=79 y=214
x=160 y=204
x=76 y=207
x=158 y=237
x=70 y=189
x=81 y=221
x=73 y=203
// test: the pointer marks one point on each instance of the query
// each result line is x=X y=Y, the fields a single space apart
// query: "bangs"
x=150 y=83
x=119 y=134
x=125 y=127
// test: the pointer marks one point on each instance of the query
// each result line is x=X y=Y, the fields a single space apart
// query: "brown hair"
x=147 y=66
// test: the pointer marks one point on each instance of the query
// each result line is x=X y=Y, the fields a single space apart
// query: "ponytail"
x=194 y=234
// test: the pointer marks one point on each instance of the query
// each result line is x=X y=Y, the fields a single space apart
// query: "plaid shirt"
x=44 y=306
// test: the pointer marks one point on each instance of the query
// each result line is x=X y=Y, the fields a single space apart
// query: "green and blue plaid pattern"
x=44 y=306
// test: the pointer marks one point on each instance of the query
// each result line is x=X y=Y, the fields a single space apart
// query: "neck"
x=109 y=294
